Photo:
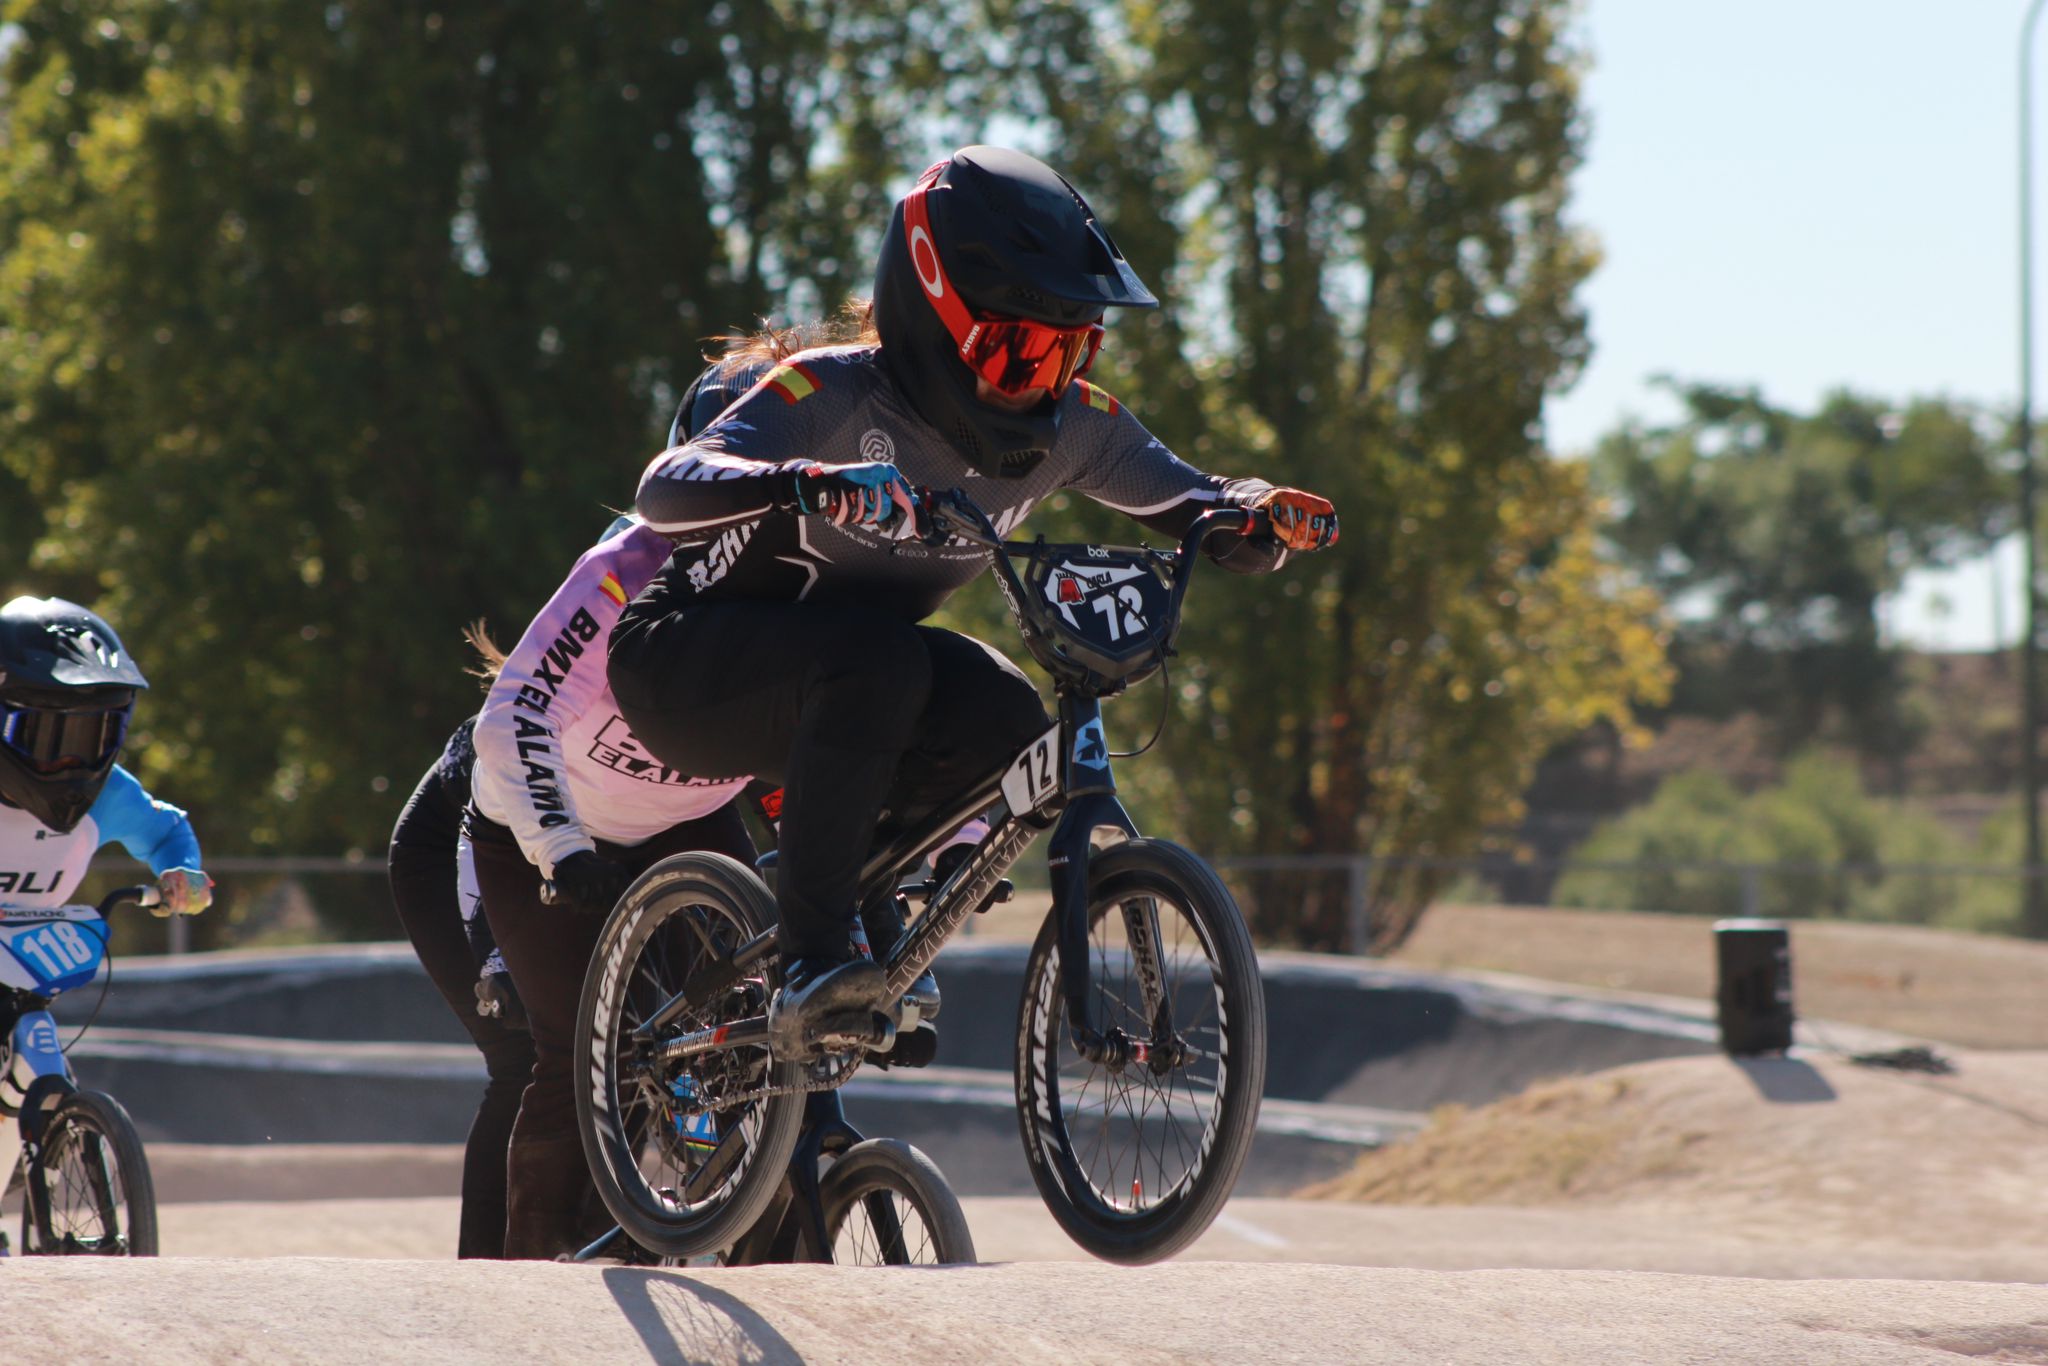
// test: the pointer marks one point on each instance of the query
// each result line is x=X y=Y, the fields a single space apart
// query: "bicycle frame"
x=1077 y=801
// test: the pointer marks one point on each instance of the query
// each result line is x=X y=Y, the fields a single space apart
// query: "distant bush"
x=1820 y=819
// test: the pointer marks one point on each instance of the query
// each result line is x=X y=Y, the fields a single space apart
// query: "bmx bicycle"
x=1141 y=1035
x=74 y=1154
x=882 y=1202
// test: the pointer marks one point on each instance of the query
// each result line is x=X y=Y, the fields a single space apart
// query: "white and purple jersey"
x=40 y=867
x=555 y=762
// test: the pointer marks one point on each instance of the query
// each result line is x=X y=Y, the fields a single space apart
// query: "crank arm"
x=738 y=1034
x=705 y=983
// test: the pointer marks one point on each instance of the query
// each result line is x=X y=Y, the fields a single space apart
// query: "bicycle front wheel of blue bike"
x=88 y=1192
x=1136 y=1157
x=682 y=1159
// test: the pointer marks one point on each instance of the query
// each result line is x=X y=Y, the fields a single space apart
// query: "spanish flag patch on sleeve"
x=613 y=589
x=794 y=382
x=1097 y=398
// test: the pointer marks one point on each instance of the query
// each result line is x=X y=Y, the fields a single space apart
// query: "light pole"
x=2033 y=911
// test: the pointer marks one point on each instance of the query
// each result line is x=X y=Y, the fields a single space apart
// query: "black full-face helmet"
x=995 y=269
x=66 y=690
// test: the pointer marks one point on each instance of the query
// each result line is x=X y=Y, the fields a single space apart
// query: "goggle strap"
x=925 y=263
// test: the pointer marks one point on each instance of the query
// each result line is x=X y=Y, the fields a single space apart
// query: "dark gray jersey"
x=837 y=405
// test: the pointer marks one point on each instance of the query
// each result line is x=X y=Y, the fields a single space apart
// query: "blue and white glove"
x=871 y=494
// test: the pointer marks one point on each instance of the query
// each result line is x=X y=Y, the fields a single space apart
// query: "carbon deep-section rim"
x=648 y=1128
x=1135 y=1162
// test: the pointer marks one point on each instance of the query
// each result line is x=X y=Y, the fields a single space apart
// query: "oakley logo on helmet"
x=921 y=251
x=990 y=288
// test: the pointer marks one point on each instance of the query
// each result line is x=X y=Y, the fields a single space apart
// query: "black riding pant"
x=422 y=863
x=547 y=948
x=852 y=710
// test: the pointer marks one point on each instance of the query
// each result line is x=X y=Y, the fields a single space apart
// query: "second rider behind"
x=782 y=638
x=562 y=791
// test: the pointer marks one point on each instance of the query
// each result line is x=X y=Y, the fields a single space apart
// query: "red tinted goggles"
x=1014 y=355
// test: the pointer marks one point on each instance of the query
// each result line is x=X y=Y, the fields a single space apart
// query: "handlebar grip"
x=144 y=895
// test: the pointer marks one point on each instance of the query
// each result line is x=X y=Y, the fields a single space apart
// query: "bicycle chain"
x=802 y=1088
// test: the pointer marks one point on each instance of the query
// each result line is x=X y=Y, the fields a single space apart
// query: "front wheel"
x=1136 y=1155
x=686 y=1153
x=88 y=1191
x=886 y=1204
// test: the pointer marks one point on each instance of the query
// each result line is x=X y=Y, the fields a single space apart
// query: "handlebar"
x=948 y=513
x=144 y=895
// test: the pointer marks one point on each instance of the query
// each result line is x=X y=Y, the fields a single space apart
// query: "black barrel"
x=1755 y=994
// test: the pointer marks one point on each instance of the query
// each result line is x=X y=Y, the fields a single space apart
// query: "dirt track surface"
x=1811 y=1149
x=1017 y=1229
x=293 y=1310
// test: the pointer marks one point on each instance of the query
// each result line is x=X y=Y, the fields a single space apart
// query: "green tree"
x=324 y=329
x=327 y=328
x=1357 y=211
x=1779 y=534
x=1818 y=846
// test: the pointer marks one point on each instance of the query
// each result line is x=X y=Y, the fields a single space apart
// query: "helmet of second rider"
x=989 y=297
x=66 y=691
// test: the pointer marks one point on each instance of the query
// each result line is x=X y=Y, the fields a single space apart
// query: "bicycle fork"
x=1092 y=805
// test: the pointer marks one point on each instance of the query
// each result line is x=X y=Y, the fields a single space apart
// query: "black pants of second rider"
x=422 y=863
x=852 y=710
x=547 y=949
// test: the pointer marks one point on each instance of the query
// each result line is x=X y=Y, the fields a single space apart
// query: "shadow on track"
x=669 y=1310
x=1786 y=1081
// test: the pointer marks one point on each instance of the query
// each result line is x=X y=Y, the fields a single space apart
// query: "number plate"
x=1033 y=778
x=56 y=954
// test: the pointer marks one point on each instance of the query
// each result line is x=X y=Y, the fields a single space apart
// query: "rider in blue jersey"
x=67 y=688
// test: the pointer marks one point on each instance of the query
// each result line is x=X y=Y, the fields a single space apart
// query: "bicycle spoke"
x=1138 y=1135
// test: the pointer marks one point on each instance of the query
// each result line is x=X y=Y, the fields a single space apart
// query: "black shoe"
x=884 y=919
x=816 y=990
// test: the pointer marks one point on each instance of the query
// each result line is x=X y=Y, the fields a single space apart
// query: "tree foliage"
x=1358 y=210
x=327 y=328
x=324 y=329
x=1780 y=533
x=1816 y=845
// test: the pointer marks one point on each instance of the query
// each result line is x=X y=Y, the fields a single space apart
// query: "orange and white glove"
x=186 y=891
x=1301 y=521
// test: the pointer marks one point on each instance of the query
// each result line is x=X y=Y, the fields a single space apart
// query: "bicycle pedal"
x=1005 y=889
x=864 y=1028
x=913 y=1048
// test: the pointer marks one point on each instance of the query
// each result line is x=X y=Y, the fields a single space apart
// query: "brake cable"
x=1165 y=706
x=105 y=932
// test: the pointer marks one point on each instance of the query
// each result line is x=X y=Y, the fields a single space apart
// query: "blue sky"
x=1804 y=195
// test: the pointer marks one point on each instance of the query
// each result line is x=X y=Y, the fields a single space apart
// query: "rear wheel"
x=886 y=1204
x=1135 y=1157
x=88 y=1191
x=683 y=1173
